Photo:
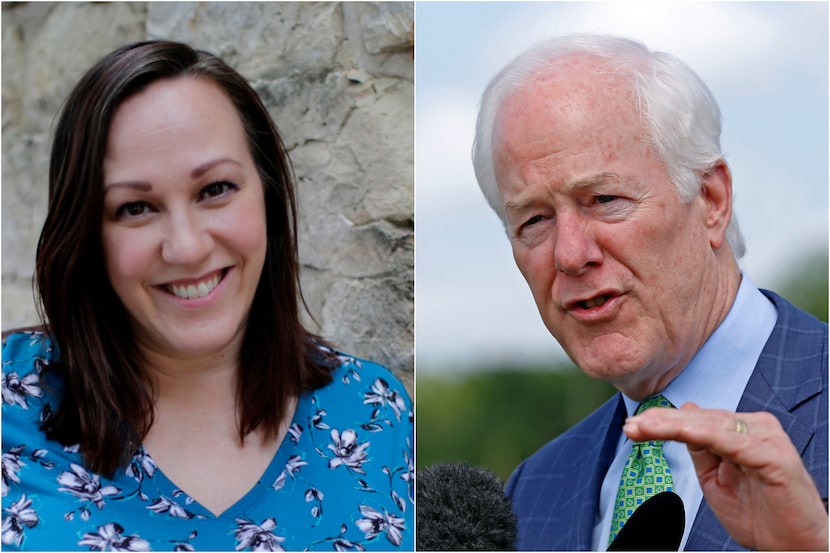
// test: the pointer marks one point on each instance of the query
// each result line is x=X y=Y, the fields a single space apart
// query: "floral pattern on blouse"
x=342 y=480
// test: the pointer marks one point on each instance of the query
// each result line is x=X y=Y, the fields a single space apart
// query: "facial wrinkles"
x=535 y=176
x=696 y=305
x=677 y=304
x=558 y=131
x=536 y=155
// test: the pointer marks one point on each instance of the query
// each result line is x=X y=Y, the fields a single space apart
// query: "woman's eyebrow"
x=141 y=185
x=197 y=172
x=208 y=165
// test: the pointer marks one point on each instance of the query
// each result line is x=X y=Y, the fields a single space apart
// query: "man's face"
x=624 y=274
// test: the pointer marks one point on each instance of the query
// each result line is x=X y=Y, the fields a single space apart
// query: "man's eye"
x=532 y=221
x=132 y=209
x=216 y=189
x=605 y=199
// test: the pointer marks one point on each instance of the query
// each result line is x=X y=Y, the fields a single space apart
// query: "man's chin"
x=631 y=377
x=616 y=375
x=616 y=366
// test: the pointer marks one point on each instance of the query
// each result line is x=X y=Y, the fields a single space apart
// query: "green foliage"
x=496 y=419
x=808 y=287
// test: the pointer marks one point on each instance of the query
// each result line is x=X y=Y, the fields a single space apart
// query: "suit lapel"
x=591 y=470
x=555 y=492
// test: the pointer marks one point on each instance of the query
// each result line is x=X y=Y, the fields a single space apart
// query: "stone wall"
x=337 y=78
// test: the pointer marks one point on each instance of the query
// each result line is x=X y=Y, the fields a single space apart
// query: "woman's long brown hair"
x=107 y=401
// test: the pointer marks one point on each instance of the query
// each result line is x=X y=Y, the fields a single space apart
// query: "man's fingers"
x=749 y=440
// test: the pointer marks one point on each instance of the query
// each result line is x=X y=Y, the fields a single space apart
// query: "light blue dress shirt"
x=715 y=378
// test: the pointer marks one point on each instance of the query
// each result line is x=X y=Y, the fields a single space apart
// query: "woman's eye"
x=216 y=189
x=132 y=209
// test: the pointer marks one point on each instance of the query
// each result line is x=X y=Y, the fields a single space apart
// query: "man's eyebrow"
x=579 y=184
x=593 y=180
x=519 y=205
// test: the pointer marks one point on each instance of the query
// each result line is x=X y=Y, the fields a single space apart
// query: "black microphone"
x=462 y=508
x=656 y=525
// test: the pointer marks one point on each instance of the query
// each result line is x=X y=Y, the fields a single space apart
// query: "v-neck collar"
x=263 y=485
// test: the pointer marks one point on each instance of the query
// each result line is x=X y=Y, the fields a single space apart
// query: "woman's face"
x=184 y=231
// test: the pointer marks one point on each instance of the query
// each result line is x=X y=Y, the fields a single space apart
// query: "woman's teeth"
x=192 y=291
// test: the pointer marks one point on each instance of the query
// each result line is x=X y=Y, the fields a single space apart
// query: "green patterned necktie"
x=646 y=473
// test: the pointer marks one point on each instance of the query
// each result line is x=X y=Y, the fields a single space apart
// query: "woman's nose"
x=187 y=240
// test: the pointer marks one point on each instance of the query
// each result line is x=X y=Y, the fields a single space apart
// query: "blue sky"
x=766 y=63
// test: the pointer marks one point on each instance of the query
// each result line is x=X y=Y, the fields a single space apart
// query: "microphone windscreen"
x=462 y=508
x=656 y=525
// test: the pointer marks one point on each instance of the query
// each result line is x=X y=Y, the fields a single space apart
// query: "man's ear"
x=716 y=191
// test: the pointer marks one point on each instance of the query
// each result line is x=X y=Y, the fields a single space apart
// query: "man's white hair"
x=679 y=112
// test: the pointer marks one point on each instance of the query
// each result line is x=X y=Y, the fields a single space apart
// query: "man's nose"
x=575 y=248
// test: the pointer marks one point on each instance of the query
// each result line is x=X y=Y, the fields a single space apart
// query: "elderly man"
x=603 y=161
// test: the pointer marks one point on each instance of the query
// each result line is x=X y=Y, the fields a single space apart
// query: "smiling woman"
x=173 y=399
x=184 y=229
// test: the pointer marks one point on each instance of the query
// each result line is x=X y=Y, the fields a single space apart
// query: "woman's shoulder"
x=26 y=353
x=22 y=344
x=352 y=369
x=362 y=386
x=27 y=350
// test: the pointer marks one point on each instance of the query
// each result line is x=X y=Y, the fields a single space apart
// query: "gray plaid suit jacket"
x=555 y=491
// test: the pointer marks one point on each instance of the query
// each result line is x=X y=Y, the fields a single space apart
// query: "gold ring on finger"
x=741 y=427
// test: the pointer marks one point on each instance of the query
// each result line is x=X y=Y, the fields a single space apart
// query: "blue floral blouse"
x=342 y=479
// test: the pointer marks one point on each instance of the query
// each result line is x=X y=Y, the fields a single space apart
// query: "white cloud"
x=444 y=135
